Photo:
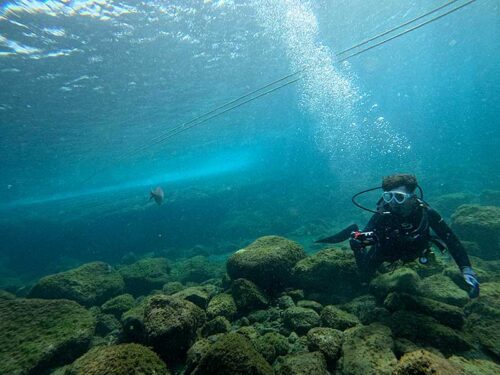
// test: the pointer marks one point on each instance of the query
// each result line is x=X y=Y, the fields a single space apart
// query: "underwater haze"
x=255 y=117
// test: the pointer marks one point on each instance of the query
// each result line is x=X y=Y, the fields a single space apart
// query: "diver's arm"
x=455 y=247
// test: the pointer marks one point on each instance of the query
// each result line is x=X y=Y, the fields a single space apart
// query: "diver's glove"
x=470 y=278
x=356 y=245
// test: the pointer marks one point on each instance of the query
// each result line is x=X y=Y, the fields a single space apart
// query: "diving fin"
x=341 y=236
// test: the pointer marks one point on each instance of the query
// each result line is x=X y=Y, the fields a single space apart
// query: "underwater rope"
x=284 y=81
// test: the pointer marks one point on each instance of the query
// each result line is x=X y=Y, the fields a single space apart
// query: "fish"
x=158 y=195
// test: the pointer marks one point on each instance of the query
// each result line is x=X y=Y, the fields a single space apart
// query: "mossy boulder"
x=331 y=274
x=333 y=317
x=368 y=350
x=37 y=335
x=145 y=275
x=367 y=310
x=119 y=360
x=402 y=279
x=248 y=296
x=170 y=325
x=446 y=204
x=309 y=304
x=172 y=287
x=422 y=362
x=105 y=323
x=475 y=366
x=267 y=262
x=271 y=345
x=442 y=288
x=118 y=305
x=232 y=354
x=326 y=340
x=222 y=305
x=196 y=270
x=449 y=315
x=300 y=319
x=133 y=321
x=219 y=324
x=303 y=363
x=6 y=295
x=195 y=354
x=90 y=284
x=425 y=330
x=194 y=294
x=480 y=224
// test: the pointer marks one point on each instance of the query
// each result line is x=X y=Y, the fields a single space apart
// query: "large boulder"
x=248 y=296
x=118 y=305
x=37 y=335
x=480 y=224
x=330 y=274
x=402 y=279
x=303 y=363
x=222 y=305
x=268 y=262
x=145 y=275
x=118 y=360
x=446 y=204
x=475 y=366
x=368 y=350
x=326 y=340
x=442 y=288
x=197 y=295
x=170 y=325
x=197 y=270
x=232 y=354
x=367 y=310
x=425 y=330
x=90 y=284
x=300 y=319
x=271 y=345
x=449 y=315
x=333 y=317
x=422 y=362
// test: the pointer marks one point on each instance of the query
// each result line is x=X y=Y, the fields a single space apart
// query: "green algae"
x=120 y=359
x=41 y=334
x=222 y=304
x=145 y=275
x=118 y=305
x=90 y=284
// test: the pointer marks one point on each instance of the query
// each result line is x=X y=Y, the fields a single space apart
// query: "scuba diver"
x=400 y=230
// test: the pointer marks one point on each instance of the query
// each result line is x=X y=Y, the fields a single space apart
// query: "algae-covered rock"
x=222 y=304
x=6 y=295
x=428 y=331
x=449 y=315
x=271 y=345
x=303 y=363
x=480 y=224
x=475 y=366
x=219 y=324
x=267 y=262
x=368 y=350
x=40 y=334
x=105 y=323
x=145 y=275
x=90 y=284
x=366 y=309
x=422 y=362
x=326 y=340
x=170 y=325
x=442 y=288
x=118 y=305
x=333 y=317
x=308 y=304
x=197 y=270
x=172 y=287
x=300 y=319
x=119 y=360
x=196 y=295
x=402 y=279
x=232 y=354
x=248 y=296
x=133 y=321
x=195 y=354
x=285 y=301
x=330 y=272
x=446 y=204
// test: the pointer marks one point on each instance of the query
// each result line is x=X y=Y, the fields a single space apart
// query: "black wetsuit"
x=406 y=239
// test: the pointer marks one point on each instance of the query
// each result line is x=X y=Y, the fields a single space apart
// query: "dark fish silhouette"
x=158 y=195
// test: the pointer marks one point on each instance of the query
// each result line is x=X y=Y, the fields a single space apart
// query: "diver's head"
x=399 y=194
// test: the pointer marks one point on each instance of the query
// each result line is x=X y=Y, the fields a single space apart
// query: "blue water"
x=85 y=84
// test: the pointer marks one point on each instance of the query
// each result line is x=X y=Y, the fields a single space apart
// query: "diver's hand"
x=356 y=245
x=470 y=278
